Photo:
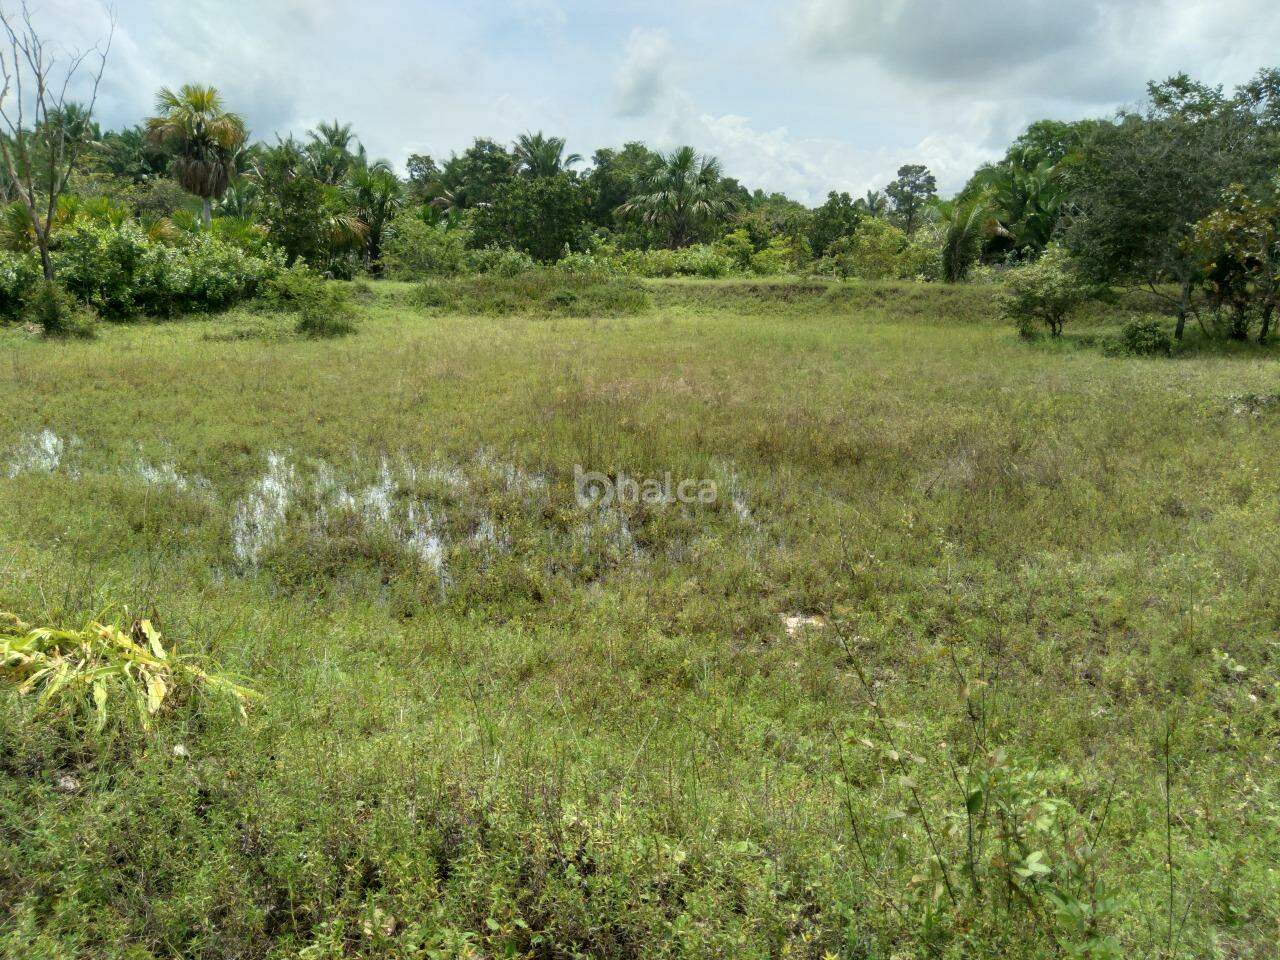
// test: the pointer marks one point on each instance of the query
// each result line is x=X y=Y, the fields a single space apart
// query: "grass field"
x=1026 y=703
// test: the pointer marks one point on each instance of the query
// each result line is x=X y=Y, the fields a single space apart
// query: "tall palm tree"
x=540 y=156
x=204 y=138
x=376 y=193
x=329 y=148
x=965 y=224
x=681 y=195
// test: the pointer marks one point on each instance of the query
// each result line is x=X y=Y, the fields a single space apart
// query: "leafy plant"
x=1238 y=249
x=57 y=314
x=1142 y=337
x=1043 y=293
x=326 y=311
x=84 y=672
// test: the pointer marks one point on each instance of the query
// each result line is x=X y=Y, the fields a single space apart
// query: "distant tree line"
x=1180 y=195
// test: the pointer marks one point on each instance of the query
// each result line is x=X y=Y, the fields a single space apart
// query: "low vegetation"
x=970 y=656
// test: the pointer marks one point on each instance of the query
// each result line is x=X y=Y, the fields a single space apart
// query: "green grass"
x=555 y=732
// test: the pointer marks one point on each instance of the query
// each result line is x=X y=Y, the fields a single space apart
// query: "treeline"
x=1180 y=195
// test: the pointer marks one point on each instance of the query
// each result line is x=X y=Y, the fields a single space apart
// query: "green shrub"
x=122 y=272
x=326 y=312
x=1043 y=293
x=780 y=255
x=290 y=288
x=1146 y=336
x=413 y=249
x=57 y=313
x=501 y=261
x=737 y=246
x=878 y=250
x=18 y=275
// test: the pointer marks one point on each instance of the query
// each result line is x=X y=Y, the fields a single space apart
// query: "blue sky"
x=803 y=96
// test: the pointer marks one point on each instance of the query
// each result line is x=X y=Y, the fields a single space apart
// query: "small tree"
x=1238 y=249
x=838 y=217
x=1045 y=292
x=46 y=131
x=540 y=216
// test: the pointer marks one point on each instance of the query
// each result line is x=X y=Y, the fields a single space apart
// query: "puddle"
x=42 y=452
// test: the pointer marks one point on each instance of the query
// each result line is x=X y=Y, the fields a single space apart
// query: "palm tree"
x=965 y=224
x=682 y=194
x=874 y=204
x=1028 y=195
x=540 y=156
x=376 y=193
x=204 y=138
x=330 y=150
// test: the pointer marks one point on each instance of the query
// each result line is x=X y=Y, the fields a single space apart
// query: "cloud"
x=644 y=77
x=797 y=95
x=1082 y=51
x=949 y=39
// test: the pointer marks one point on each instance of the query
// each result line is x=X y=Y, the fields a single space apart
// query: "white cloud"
x=644 y=77
x=1086 y=51
x=852 y=91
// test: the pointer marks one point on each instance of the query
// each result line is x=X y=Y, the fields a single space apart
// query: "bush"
x=1142 y=337
x=413 y=249
x=326 y=311
x=57 y=314
x=876 y=251
x=501 y=261
x=18 y=275
x=1045 y=292
x=781 y=255
x=290 y=288
x=122 y=272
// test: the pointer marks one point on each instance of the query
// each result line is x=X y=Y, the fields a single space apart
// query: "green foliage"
x=912 y=191
x=309 y=219
x=964 y=224
x=83 y=674
x=1043 y=293
x=414 y=249
x=121 y=272
x=738 y=246
x=697 y=260
x=203 y=138
x=325 y=311
x=878 y=250
x=542 y=216
x=18 y=274
x=1237 y=247
x=681 y=197
x=837 y=218
x=51 y=308
x=1146 y=336
x=290 y=288
x=499 y=261
x=323 y=306
x=543 y=290
x=780 y=255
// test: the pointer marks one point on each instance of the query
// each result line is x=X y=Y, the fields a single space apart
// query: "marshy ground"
x=497 y=722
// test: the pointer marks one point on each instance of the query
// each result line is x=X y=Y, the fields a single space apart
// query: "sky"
x=801 y=96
